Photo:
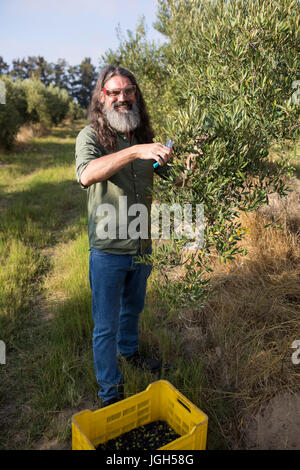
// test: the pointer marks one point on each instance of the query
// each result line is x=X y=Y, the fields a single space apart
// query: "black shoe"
x=120 y=396
x=110 y=402
x=143 y=363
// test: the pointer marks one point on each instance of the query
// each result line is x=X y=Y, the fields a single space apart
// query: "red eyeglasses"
x=128 y=91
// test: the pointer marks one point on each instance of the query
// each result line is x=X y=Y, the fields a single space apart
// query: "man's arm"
x=105 y=166
x=102 y=168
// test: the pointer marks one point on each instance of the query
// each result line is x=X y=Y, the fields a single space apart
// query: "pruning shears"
x=169 y=144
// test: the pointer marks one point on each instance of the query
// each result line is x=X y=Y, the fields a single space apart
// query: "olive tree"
x=13 y=112
x=233 y=64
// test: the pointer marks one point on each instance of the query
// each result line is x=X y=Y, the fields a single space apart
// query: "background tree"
x=19 y=69
x=60 y=74
x=78 y=80
x=82 y=81
x=14 y=113
x=39 y=68
x=30 y=101
x=4 y=67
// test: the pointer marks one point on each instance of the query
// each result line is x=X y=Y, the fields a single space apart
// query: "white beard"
x=123 y=121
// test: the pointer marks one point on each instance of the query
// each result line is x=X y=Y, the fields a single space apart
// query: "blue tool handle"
x=168 y=144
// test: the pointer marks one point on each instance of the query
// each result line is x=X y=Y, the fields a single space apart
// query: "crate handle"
x=184 y=405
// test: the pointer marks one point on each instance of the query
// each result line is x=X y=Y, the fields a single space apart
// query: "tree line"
x=78 y=80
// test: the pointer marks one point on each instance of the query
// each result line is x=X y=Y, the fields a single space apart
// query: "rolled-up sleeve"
x=86 y=150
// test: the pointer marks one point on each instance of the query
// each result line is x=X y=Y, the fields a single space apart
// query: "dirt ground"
x=276 y=426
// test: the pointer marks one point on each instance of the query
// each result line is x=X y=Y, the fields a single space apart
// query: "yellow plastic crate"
x=160 y=401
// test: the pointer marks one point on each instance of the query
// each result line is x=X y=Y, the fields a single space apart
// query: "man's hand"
x=156 y=151
x=100 y=169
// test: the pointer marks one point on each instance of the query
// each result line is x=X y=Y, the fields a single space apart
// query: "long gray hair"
x=107 y=136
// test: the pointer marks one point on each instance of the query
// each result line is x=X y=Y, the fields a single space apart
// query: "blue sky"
x=69 y=29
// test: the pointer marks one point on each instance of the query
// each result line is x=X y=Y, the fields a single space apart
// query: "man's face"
x=121 y=110
x=120 y=102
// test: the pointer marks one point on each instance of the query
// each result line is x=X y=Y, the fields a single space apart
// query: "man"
x=115 y=154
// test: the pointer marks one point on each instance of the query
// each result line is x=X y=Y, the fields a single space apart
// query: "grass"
x=227 y=358
x=42 y=211
x=285 y=149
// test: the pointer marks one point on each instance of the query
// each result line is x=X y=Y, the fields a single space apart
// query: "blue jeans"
x=118 y=287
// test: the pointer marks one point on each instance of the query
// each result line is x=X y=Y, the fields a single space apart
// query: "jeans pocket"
x=99 y=252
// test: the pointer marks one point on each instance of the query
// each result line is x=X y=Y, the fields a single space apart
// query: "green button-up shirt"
x=115 y=223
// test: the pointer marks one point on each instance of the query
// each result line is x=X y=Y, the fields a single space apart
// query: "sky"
x=69 y=29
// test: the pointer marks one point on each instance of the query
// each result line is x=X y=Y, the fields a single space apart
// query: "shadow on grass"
x=35 y=215
x=43 y=152
x=68 y=131
x=52 y=371
x=39 y=155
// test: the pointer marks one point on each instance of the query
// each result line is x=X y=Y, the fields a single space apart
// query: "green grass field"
x=45 y=317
